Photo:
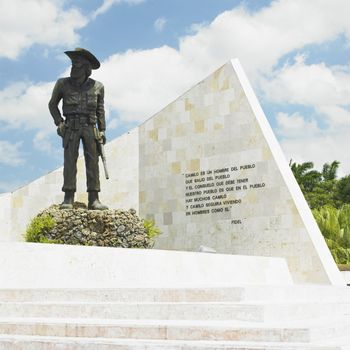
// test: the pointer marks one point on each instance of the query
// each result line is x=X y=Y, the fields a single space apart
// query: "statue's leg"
x=71 y=153
x=91 y=159
x=92 y=169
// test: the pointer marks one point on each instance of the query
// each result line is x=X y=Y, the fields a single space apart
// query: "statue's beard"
x=78 y=74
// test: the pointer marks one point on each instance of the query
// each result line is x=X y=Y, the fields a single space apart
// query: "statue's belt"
x=75 y=121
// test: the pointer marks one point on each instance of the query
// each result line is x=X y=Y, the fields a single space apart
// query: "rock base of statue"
x=107 y=228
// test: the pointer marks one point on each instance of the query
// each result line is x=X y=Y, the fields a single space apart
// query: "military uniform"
x=83 y=109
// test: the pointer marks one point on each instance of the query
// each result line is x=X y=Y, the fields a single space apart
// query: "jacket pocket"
x=72 y=99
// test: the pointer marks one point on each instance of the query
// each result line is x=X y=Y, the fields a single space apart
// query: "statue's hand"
x=103 y=137
x=61 y=128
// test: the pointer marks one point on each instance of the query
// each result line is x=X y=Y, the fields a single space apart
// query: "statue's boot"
x=68 y=200
x=94 y=202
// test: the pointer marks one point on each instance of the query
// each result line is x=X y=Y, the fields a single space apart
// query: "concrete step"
x=257 y=311
x=124 y=294
x=14 y=342
x=314 y=293
x=313 y=330
x=239 y=293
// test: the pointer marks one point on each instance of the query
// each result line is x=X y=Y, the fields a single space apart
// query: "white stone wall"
x=5 y=217
x=218 y=126
x=28 y=200
x=120 y=191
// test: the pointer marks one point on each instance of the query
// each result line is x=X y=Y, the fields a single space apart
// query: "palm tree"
x=343 y=189
x=329 y=171
x=306 y=177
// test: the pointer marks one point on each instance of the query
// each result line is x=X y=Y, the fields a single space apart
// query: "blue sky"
x=295 y=53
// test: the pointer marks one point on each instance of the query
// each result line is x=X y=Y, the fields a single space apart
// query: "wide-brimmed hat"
x=79 y=52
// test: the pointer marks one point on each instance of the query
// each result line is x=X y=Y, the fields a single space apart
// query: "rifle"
x=101 y=151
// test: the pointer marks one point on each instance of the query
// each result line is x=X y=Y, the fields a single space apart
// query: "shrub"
x=341 y=255
x=335 y=226
x=327 y=218
x=151 y=230
x=38 y=228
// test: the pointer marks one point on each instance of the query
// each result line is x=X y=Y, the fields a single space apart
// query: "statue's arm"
x=100 y=110
x=54 y=101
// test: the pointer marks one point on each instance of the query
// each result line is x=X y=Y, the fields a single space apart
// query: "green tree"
x=319 y=188
x=329 y=171
x=329 y=199
x=323 y=194
x=342 y=191
x=305 y=175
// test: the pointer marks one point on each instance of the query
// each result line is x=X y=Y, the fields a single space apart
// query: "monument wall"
x=208 y=169
x=5 y=216
x=213 y=174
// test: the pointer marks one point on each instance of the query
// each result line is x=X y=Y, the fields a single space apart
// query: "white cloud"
x=337 y=116
x=324 y=88
x=24 y=23
x=159 y=24
x=139 y=83
x=24 y=105
x=107 y=4
x=302 y=140
x=295 y=125
x=261 y=38
x=10 y=153
x=43 y=142
x=320 y=148
x=310 y=85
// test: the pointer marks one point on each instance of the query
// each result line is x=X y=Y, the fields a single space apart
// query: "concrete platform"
x=88 y=298
x=346 y=276
x=30 y=265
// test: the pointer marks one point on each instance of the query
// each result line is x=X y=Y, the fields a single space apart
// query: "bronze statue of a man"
x=83 y=110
